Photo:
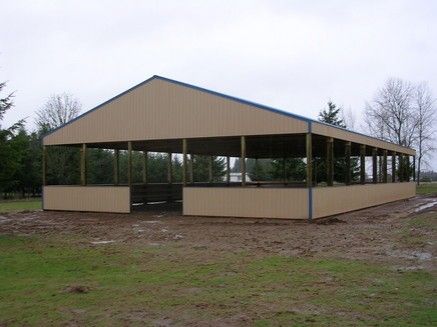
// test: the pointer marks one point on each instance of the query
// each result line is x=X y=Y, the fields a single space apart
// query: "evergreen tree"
x=201 y=168
x=289 y=169
x=259 y=170
x=331 y=115
x=100 y=168
x=10 y=147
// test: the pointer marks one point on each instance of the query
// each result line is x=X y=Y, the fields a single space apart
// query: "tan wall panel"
x=329 y=201
x=337 y=133
x=163 y=110
x=246 y=202
x=87 y=198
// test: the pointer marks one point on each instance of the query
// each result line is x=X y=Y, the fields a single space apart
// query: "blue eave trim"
x=222 y=95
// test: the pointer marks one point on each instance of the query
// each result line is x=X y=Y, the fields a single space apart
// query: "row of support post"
x=187 y=172
x=348 y=176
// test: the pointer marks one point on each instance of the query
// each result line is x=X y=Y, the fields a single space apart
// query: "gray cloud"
x=293 y=55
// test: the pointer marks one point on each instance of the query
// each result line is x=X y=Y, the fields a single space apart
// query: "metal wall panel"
x=329 y=201
x=87 y=198
x=289 y=203
x=163 y=110
x=337 y=133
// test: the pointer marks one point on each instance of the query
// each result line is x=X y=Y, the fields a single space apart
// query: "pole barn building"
x=167 y=116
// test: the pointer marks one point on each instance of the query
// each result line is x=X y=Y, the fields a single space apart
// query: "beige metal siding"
x=87 y=198
x=291 y=203
x=337 y=133
x=163 y=110
x=329 y=201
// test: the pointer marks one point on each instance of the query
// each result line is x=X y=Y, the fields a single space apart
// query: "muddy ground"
x=373 y=234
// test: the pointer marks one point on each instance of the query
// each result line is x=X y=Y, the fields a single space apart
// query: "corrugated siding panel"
x=337 y=133
x=329 y=201
x=246 y=202
x=87 y=198
x=164 y=110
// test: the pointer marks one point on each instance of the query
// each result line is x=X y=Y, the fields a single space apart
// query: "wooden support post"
x=407 y=168
x=330 y=161
x=129 y=163
x=243 y=160
x=145 y=164
x=284 y=171
x=309 y=156
x=401 y=167
x=191 y=169
x=414 y=168
x=44 y=165
x=184 y=162
x=384 y=167
x=169 y=168
x=393 y=167
x=169 y=177
x=347 y=156
x=362 y=163
x=83 y=167
x=116 y=167
x=255 y=170
x=375 y=165
x=228 y=170
x=210 y=163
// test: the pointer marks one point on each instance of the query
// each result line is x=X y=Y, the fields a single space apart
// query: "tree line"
x=400 y=112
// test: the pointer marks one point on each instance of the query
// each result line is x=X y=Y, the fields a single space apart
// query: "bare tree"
x=404 y=114
x=58 y=110
x=425 y=112
x=390 y=115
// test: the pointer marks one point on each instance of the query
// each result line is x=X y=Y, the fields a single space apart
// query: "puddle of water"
x=425 y=206
x=4 y=219
x=137 y=204
x=421 y=255
x=412 y=255
x=151 y=221
x=102 y=242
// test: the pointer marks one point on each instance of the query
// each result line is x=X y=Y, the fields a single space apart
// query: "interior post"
x=375 y=165
x=362 y=163
x=330 y=161
x=83 y=152
x=347 y=155
x=243 y=160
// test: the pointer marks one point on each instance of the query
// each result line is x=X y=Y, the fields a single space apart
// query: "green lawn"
x=19 y=205
x=427 y=189
x=145 y=283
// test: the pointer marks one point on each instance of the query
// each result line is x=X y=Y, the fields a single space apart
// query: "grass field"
x=370 y=268
x=427 y=189
x=53 y=281
x=19 y=205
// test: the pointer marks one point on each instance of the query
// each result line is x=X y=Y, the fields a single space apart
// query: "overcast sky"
x=293 y=55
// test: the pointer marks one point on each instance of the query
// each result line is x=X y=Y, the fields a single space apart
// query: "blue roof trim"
x=250 y=103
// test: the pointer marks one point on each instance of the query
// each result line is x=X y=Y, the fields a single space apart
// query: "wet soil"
x=373 y=234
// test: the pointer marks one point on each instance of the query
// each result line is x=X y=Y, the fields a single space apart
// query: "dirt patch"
x=371 y=234
x=78 y=289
